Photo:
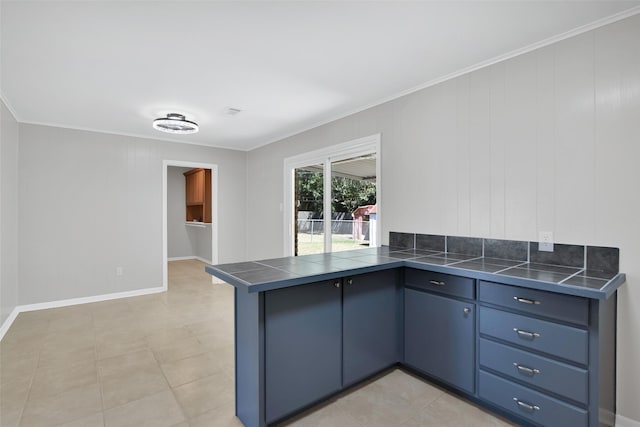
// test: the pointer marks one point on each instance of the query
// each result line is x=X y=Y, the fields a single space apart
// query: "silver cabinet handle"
x=349 y=281
x=526 y=334
x=526 y=406
x=526 y=370
x=437 y=283
x=336 y=284
x=526 y=300
x=466 y=310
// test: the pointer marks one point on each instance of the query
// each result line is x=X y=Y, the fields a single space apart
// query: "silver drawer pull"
x=526 y=406
x=526 y=334
x=526 y=300
x=526 y=370
x=435 y=282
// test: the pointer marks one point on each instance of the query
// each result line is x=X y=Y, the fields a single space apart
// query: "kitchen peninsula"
x=525 y=333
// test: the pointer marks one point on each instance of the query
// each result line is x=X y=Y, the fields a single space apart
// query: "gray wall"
x=8 y=212
x=544 y=141
x=90 y=202
x=200 y=241
x=178 y=242
x=183 y=240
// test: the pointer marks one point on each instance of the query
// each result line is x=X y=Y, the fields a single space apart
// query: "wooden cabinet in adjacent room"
x=198 y=195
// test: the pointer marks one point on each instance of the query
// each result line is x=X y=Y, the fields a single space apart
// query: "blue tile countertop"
x=265 y=275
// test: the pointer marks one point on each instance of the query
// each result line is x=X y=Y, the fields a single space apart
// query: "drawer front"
x=442 y=283
x=562 y=307
x=560 y=378
x=528 y=404
x=548 y=337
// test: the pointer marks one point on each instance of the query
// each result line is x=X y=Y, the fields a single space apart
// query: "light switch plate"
x=545 y=241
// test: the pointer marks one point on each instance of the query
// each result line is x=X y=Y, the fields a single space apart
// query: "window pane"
x=353 y=202
x=308 y=210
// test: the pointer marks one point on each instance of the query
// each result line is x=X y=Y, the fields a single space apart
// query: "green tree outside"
x=347 y=193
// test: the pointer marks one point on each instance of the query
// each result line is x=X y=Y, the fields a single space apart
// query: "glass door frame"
x=326 y=156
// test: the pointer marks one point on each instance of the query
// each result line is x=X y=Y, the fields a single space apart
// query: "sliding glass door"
x=332 y=198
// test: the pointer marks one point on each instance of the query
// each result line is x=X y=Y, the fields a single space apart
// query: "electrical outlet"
x=119 y=271
x=545 y=241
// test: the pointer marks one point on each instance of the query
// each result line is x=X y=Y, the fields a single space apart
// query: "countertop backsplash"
x=595 y=259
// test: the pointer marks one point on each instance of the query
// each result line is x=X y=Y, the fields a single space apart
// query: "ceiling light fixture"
x=175 y=123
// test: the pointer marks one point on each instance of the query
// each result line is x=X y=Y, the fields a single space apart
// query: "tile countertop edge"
x=602 y=294
x=298 y=280
x=612 y=285
x=227 y=277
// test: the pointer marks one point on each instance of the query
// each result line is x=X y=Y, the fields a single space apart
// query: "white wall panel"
x=574 y=138
x=447 y=134
x=480 y=154
x=545 y=141
x=499 y=139
x=434 y=170
x=462 y=142
x=410 y=130
x=520 y=147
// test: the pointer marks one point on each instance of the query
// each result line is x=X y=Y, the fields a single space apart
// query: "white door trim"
x=357 y=147
x=214 y=211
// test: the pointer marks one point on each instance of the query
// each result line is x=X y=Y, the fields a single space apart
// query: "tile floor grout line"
x=33 y=375
x=164 y=375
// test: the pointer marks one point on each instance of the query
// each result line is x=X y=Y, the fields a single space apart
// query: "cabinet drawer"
x=531 y=405
x=439 y=282
x=560 y=378
x=562 y=307
x=552 y=338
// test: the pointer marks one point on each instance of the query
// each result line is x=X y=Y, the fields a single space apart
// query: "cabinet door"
x=195 y=187
x=303 y=330
x=439 y=337
x=370 y=324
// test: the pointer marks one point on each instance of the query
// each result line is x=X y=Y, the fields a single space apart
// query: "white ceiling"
x=114 y=66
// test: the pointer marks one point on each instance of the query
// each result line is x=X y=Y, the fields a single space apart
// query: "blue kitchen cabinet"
x=303 y=339
x=547 y=358
x=439 y=337
x=539 y=353
x=371 y=324
x=328 y=335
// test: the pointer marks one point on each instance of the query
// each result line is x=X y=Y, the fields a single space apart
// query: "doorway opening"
x=190 y=213
x=333 y=198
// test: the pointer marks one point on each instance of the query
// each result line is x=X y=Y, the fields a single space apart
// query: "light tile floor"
x=167 y=360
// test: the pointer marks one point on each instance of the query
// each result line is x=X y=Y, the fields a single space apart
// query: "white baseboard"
x=73 y=301
x=7 y=323
x=183 y=258
x=626 y=422
x=180 y=258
